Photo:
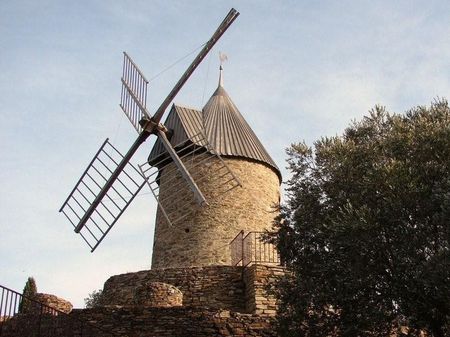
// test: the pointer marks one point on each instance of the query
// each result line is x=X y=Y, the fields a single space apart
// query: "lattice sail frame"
x=119 y=196
x=133 y=98
x=176 y=201
x=87 y=216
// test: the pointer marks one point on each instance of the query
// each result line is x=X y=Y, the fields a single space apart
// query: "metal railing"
x=253 y=248
x=21 y=316
x=236 y=249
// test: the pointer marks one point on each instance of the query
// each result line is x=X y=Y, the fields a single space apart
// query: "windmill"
x=110 y=182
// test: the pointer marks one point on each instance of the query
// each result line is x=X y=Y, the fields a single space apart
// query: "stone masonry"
x=257 y=279
x=237 y=289
x=141 y=322
x=218 y=301
x=202 y=239
x=51 y=301
x=158 y=295
x=216 y=287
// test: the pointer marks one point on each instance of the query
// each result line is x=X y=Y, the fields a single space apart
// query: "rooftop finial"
x=223 y=57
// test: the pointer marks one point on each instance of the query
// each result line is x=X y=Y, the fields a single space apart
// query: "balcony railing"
x=21 y=316
x=253 y=249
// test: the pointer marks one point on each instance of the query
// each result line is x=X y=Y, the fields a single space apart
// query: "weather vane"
x=222 y=57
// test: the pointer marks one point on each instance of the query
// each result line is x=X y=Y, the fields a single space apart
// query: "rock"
x=158 y=294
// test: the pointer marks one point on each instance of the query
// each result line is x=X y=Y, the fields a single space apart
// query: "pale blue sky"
x=297 y=70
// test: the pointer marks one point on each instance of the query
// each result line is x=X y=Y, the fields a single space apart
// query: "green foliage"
x=365 y=229
x=93 y=300
x=29 y=291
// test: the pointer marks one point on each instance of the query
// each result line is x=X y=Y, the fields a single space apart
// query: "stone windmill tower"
x=213 y=181
x=202 y=237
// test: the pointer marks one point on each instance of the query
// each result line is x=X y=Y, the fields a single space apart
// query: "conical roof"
x=225 y=129
x=228 y=132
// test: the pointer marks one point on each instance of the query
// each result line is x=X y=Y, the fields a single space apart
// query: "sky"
x=297 y=70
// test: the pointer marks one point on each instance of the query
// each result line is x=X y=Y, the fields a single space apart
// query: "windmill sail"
x=133 y=99
x=86 y=217
x=116 y=200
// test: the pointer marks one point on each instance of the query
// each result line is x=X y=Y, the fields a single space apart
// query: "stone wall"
x=258 y=278
x=176 y=322
x=218 y=301
x=203 y=237
x=217 y=287
x=237 y=289
x=139 y=321
x=53 y=302
x=158 y=295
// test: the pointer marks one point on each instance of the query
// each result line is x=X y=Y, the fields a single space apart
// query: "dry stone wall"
x=180 y=322
x=203 y=237
x=51 y=301
x=257 y=280
x=218 y=301
x=141 y=321
x=158 y=295
x=218 y=287
x=238 y=289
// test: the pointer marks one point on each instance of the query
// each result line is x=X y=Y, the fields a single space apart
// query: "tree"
x=93 y=299
x=29 y=291
x=365 y=229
